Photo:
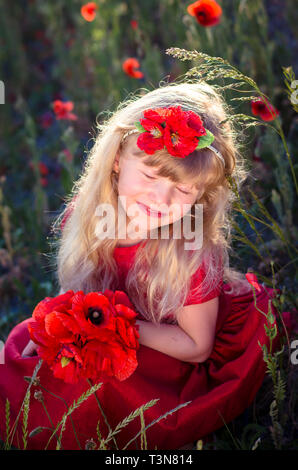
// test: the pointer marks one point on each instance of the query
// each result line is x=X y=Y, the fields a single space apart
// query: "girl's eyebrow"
x=137 y=153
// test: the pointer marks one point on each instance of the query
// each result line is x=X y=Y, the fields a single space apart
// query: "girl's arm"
x=191 y=340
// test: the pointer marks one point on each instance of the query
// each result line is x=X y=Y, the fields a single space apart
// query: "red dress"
x=219 y=389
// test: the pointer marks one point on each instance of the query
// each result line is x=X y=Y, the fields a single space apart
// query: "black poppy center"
x=96 y=315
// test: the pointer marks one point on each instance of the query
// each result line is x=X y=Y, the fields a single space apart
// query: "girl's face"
x=148 y=196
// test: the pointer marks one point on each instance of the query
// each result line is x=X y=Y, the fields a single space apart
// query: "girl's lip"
x=147 y=210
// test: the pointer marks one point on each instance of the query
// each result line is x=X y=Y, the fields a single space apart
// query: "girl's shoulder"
x=196 y=293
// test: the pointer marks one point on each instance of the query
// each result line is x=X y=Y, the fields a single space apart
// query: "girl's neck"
x=128 y=242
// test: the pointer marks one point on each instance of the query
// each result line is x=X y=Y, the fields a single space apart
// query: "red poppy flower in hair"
x=181 y=132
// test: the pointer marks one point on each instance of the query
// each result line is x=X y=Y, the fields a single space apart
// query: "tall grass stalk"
x=70 y=417
x=25 y=419
x=154 y=422
x=103 y=414
x=134 y=414
x=14 y=427
x=7 y=423
x=73 y=407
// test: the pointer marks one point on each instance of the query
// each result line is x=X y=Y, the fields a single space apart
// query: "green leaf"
x=205 y=140
x=64 y=361
x=139 y=127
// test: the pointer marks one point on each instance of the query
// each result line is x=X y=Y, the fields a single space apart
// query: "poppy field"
x=66 y=64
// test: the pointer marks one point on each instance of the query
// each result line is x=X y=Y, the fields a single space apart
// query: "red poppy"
x=86 y=336
x=262 y=107
x=43 y=169
x=151 y=140
x=94 y=315
x=253 y=280
x=130 y=65
x=207 y=12
x=134 y=24
x=61 y=304
x=179 y=131
x=88 y=11
x=63 y=110
x=68 y=364
x=182 y=131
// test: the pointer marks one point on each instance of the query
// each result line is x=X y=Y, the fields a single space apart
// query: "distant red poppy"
x=207 y=12
x=43 y=169
x=262 y=107
x=253 y=280
x=129 y=66
x=134 y=24
x=88 y=11
x=62 y=110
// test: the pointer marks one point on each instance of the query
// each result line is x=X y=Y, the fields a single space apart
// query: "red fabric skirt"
x=218 y=390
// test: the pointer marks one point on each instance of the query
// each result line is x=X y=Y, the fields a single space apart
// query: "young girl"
x=200 y=331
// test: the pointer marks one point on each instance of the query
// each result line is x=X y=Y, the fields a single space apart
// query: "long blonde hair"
x=158 y=283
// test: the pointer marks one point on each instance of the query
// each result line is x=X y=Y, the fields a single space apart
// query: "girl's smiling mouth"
x=148 y=211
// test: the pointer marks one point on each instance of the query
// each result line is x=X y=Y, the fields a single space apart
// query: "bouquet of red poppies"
x=86 y=336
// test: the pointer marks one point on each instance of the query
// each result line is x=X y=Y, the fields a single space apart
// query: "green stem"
x=281 y=133
x=49 y=418
x=103 y=414
x=14 y=427
x=70 y=417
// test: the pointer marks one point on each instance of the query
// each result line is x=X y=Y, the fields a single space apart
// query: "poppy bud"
x=38 y=395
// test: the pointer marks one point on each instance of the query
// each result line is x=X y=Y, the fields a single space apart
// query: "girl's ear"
x=116 y=163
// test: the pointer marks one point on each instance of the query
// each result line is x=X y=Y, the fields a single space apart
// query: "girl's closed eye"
x=149 y=177
x=183 y=191
x=179 y=189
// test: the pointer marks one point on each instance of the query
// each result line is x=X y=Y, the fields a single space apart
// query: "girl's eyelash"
x=184 y=192
x=151 y=178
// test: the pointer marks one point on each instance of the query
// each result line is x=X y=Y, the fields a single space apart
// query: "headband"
x=181 y=132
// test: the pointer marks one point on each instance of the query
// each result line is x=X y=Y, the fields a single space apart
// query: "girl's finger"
x=29 y=349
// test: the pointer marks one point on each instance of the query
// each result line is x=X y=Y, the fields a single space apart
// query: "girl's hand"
x=30 y=349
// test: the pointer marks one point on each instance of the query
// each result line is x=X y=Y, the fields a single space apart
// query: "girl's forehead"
x=159 y=167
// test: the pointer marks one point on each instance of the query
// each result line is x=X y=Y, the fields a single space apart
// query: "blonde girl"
x=161 y=162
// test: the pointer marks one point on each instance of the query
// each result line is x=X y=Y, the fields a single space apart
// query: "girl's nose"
x=159 y=194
